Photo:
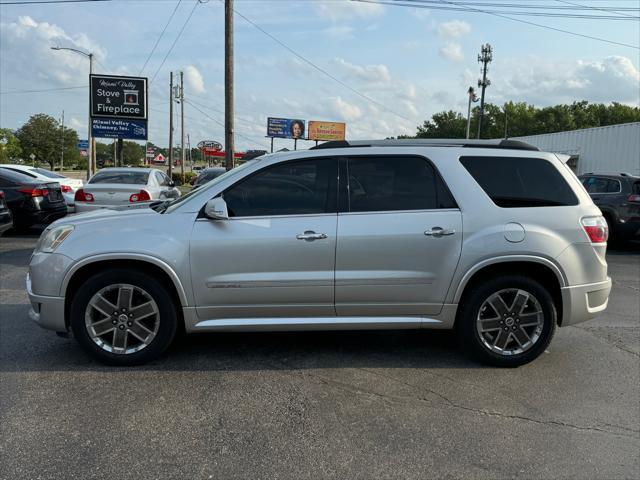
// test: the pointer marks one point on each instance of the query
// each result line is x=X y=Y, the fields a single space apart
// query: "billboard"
x=326 y=131
x=113 y=128
x=118 y=97
x=285 y=128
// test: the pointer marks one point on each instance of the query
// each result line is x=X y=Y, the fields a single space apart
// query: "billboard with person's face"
x=285 y=128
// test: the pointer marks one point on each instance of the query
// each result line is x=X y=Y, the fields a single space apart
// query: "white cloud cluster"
x=26 y=38
x=542 y=82
x=451 y=32
x=367 y=73
x=194 y=80
x=341 y=11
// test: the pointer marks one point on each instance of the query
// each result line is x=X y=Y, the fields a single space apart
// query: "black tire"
x=469 y=310
x=167 y=316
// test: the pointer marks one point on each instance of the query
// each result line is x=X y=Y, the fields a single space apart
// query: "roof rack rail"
x=428 y=142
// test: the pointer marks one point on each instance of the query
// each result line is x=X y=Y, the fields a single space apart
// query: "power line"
x=463 y=6
x=222 y=124
x=617 y=11
x=184 y=25
x=11 y=92
x=160 y=37
x=321 y=70
x=471 y=9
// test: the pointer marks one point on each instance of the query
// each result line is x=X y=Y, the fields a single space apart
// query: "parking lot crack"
x=451 y=404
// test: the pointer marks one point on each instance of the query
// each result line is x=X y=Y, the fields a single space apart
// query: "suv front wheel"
x=507 y=321
x=123 y=317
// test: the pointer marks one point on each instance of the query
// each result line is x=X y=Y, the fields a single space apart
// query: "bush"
x=177 y=177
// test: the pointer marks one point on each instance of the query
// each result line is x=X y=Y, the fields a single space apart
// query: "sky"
x=382 y=69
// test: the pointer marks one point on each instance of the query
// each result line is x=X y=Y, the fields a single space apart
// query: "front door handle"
x=310 y=236
x=439 y=232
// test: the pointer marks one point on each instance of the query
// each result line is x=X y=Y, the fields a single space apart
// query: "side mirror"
x=216 y=209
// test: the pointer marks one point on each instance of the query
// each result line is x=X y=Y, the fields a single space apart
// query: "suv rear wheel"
x=507 y=321
x=123 y=317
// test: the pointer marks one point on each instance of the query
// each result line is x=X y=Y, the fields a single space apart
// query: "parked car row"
x=36 y=196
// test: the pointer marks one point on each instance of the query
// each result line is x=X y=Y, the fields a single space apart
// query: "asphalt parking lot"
x=321 y=405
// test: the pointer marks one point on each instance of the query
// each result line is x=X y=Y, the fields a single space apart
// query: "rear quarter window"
x=515 y=182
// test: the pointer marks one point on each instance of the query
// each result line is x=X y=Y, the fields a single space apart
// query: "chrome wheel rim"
x=122 y=319
x=510 y=322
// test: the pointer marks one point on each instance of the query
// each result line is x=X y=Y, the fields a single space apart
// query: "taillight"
x=82 y=196
x=66 y=189
x=38 y=191
x=141 y=196
x=1 y=194
x=596 y=228
x=633 y=198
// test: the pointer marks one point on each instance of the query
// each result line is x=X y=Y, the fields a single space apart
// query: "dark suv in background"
x=618 y=197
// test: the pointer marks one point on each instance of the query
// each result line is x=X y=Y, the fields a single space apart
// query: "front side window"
x=293 y=188
x=392 y=183
x=513 y=182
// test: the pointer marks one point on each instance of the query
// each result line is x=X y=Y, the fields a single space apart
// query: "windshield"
x=170 y=206
x=47 y=173
x=131 y=178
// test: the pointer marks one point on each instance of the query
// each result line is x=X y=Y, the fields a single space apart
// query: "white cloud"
x=452 y=51
x=453 y=29
x=368 y=73
x=542 y=82
x=451 y=32
x=193 y=79
x=339 y=32
x=340 y=11
x=26 y=38
x=345 y=110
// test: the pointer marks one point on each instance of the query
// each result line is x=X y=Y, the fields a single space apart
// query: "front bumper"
x=48 y=312
x=584 y=302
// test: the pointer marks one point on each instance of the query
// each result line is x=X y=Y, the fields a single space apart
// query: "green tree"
x=43 y=137
x=104 y=153
x=132 y=153
x=10 y=148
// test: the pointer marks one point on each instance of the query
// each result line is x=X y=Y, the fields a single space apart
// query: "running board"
x=316 y=323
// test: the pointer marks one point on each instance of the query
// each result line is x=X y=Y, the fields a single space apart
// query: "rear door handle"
x=439 y=232
x=310 y=236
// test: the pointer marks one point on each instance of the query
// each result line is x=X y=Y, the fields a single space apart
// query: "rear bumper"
x=48 y=312
x=584 y=302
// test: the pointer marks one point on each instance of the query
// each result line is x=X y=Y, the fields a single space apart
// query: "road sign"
x=114 y=128
x=83 y=144
x=118 y=97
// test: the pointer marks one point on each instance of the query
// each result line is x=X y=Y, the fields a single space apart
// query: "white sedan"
x=68 y=185
x=124 y=187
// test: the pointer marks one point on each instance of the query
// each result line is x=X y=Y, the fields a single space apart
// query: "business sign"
x=210 y=144
x=160 y=159
x=118 y=97
x=83 y=144
x=114 y=128
x=285 y=128
x=326 y=131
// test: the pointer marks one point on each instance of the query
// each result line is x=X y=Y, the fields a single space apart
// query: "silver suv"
x=494 y=239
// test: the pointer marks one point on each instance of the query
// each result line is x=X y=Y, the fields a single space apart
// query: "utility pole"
x=170 y=125
x=472 y=98
x=506 y=122
x=189 y=150
x=182 y=125
x=62 y=143
x=485 y=57
x=228 y=84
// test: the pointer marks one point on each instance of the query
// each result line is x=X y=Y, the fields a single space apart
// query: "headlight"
x=51 y=239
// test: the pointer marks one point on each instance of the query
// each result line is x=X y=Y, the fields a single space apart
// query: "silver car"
x=494 y=239
x=124 y=187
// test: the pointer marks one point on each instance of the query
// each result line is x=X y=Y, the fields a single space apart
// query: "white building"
x=615 y=148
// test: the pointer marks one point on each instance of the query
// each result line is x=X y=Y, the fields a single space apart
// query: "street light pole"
x=472 y=98
x=90 y=149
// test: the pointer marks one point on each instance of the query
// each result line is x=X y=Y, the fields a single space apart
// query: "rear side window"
x=392 y=183
x=513 y=182
x=635 y=188
x=601 y=185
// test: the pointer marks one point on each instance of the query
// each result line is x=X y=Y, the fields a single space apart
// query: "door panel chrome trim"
x=312 y=323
